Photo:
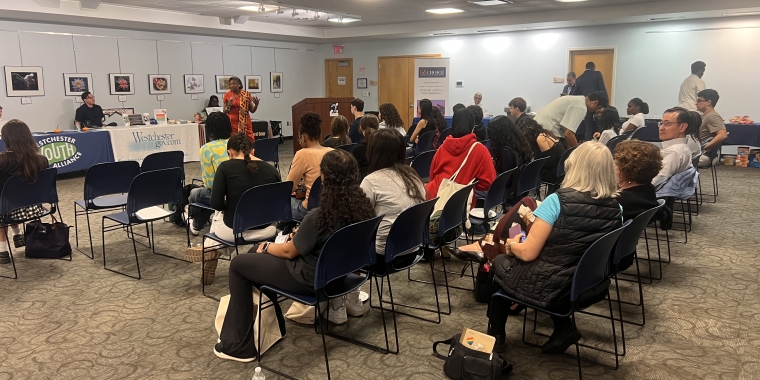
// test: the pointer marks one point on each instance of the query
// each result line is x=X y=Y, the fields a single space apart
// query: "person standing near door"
x=589 y=82
x=357 y=109
x=691 y=86
x=568 y=89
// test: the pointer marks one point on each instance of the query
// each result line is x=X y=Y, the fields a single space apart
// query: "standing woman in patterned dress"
x=239 y=104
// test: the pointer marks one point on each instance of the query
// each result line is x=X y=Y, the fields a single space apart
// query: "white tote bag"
x=448 y=186
x=270 y=328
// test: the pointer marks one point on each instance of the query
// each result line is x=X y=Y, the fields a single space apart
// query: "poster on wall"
x=121 y=84
x=77 y=84
x=275 y=80
x=194 y=84
x=222 y=83
x=160 y=84
x=253 y=83
x=24 y=81
x=431 y=81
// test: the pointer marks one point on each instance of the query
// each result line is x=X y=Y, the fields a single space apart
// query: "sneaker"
x=222 y=355
x=560 y=341
x=184 y=214
x=354 y=305
x=5 y=258
x=337 y=315
x=19 y=241
x=193 y=230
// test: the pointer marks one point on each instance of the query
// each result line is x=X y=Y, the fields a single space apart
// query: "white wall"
x=64 y=49
x=649 y=65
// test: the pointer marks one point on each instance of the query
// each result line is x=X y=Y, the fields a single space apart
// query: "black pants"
x=498 y=312
x=248 y=271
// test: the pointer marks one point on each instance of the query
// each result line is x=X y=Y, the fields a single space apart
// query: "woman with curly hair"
x=390 y=118
x=636 y=164
x=544 y=144
x=291 y=266
x=338 y=133
x=304 y=169
x=504 y=134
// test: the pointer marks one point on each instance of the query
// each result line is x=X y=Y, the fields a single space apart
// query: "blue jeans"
x=200 y=216
x=296 y=206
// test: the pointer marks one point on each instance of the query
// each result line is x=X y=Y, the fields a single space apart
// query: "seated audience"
x=290 y=266
x=213 y=153
x=21 y=159
x=453 y=152
x=544 y=144
x=457 y=107
x=304 y=169
x=564 y=115
x=676 y=124
x=357 y=109
x=338 y=133
x=517 y=107
x=712 y=125
x=390 y=118
x=637 y=108
x=479 y=129
x=440 y=127
x=368 y=127
x=636 y=164
x=540 y=269
x=608 y=125
x=504 y=134
x=427 y=120
x=390 y=185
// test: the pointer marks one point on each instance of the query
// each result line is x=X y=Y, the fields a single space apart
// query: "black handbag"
x=47 y=240
x=462 y=363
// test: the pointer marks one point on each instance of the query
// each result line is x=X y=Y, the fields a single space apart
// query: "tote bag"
x=270 y=327
x=446 y=189
x=47 y=240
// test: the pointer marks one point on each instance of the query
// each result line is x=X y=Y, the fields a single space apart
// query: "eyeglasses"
x=701 y=100
x=668 y=123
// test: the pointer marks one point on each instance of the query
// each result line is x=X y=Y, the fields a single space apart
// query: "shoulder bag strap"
x=453 y=177
x=435 y=348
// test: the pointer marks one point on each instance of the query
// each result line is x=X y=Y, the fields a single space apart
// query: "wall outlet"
x=122 y=98
x=194 y=97
x=365 y=93
x=287 y=123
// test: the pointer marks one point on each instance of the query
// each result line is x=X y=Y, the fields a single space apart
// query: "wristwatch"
x=266 y=247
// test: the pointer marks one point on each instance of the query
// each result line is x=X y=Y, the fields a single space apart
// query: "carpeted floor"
x=75 y=320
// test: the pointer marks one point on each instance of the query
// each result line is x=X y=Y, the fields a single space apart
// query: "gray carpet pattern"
x=75 y=320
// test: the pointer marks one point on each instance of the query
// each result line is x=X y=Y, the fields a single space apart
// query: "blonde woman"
x=338 y=133
x=540 y=268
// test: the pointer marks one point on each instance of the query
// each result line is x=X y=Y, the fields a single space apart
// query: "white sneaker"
x=354 y=306
x=185 y=214
x=338 y=313
x=193 y=230
x=222 y=355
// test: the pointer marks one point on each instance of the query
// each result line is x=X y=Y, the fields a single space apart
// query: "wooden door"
x=396 y=86
x=604 y=59
x=339 y=78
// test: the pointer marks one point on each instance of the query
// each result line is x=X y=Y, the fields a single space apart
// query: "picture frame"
x=361 y=83
x=275 y=81
x=22 y=81
x=253 y=83
x=121 y=84
x=223 y=83
x=77 y=84
x=194 y=84
x=159 y=84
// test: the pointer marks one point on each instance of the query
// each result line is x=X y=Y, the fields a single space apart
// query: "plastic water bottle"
x=258 y=375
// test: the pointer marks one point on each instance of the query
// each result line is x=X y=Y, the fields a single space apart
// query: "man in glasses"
x=89 y=114
x=712 y=125
x=676 y=123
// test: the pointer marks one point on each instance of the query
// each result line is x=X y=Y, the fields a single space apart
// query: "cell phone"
x=281 y=239
x=515 y=230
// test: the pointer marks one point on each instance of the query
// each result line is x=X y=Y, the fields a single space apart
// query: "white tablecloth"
x=134 y=143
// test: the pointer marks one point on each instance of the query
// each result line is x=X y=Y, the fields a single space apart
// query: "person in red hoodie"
x=451 y=154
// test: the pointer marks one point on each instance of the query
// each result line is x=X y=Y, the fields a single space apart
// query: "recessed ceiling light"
x=486 y=3
x=666 y=18
x=444 y=11
x=343 y=20
x=487 y=31
x=259 y=8
x=570 y=1
x=742 y=13
x=442 y=34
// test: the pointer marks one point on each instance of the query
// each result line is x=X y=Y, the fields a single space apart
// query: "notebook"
x=477 y=341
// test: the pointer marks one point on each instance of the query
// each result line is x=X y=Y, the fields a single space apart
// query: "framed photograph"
x=361 y=83
x=275 y=80
x=121 y=84
x=194 y=84
x=160 y=84
x=24 y=81
x=253 y=83
x=223 y=83
x=77 y=84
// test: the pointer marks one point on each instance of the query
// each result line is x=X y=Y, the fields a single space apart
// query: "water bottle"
x=258 y=375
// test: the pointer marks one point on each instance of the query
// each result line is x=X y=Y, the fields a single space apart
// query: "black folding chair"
x=421 y=163
x=268 y=150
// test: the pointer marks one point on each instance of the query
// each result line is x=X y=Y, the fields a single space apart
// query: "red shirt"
x=450 y=156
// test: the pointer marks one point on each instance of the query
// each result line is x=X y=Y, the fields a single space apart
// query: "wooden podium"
x=322 y=107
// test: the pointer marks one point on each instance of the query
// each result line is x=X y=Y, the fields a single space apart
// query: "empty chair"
x=268 y=150
x=648 y=133
x=530 y=179
x=163 y=160
x=421 y=163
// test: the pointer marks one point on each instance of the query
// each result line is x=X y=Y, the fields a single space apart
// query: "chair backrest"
x=267 y=149
x=349 y=249
x=410 y=230
x=109 y=178
x=444 y=134
x=315 y=193
x=326 y=137
x=263 y=205
x=613 y=142
x=455 y=210
x=153 y=188
x=649 y=133
x=348 y=147
x=17 y=194
x=497 y=193
x=561 y=164
x=629 y=239
x=592 y=268
x=422 y=162
x=530 y=178
x=163 y=160
x=508 y=160
x=425 y=142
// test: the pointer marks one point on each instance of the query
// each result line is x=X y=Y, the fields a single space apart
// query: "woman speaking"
x=237 y=104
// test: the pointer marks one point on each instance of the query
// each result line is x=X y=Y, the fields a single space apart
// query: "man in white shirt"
x=476 y=102
x=676 y=154
x=691 y=86
x=563 y=115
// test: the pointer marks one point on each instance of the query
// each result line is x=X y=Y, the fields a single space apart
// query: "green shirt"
x=212 y=154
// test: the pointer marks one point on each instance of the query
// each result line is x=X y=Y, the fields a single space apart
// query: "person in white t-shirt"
x=691 y=86
x=637 y=108
x=563 y=115
x=477 y=102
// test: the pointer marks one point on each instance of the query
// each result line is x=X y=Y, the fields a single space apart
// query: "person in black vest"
x=89 y=114
x=540 y=269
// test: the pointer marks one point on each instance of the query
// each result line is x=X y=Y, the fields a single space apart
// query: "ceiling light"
x=486 y=3
x=259 y=8
x=666 y=18
x=742 y=13
x=442 y=34
x=343 y=20
x=295 y=13
x=316 y=15
x=279 y=11
x=444 y=11
x=570 y=1
x=487 y=31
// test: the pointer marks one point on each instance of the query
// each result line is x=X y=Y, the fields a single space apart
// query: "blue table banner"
x=74 y=151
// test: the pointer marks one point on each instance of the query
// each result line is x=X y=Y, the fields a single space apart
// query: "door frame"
x=327 y=80
x=614 y=63
x=432 y=55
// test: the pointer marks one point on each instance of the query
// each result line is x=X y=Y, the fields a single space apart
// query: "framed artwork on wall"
x=361 y=83
x=160 y=84
x=24 y=81
x=121 y=84
x=275 y=81
x=77 y=84
x=253 y=83
x=223 y=83
x=194 y=84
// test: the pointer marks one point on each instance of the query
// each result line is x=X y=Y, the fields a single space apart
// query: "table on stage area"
x=72 y=151
x=738 y=134
x=134 y=143
x=486 y=120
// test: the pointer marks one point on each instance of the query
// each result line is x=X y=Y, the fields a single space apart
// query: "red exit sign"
x=337 y=49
